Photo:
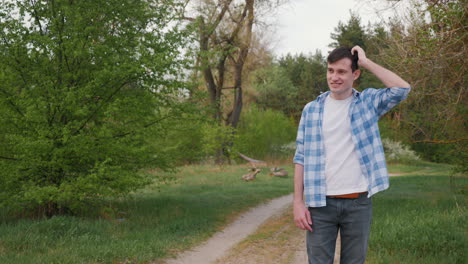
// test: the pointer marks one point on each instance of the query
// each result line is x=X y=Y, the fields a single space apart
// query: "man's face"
x=340 y=78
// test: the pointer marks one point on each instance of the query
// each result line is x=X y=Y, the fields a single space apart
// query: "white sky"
x=305 y=25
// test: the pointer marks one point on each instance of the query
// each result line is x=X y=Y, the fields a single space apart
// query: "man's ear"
x=356 y=74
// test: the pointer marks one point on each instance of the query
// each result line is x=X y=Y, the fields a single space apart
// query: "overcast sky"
x=306 y=25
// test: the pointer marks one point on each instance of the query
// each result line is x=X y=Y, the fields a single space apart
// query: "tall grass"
x=150 y=225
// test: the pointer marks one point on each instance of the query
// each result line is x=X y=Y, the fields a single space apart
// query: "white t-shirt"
x=342 y=169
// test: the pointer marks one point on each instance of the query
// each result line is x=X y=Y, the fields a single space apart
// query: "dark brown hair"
x=341 y=53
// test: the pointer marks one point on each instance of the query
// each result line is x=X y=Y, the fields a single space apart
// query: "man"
x=339 y=160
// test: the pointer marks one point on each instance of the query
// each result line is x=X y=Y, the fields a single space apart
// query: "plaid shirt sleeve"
x=309 y=153
x=299 y=155
x=385 y=99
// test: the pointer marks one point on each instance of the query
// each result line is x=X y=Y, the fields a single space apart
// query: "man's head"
x=341 y=73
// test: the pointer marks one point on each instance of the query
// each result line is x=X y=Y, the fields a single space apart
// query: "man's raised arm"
x=387 y=77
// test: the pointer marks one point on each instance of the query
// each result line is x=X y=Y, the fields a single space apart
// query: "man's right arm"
x=302 y=217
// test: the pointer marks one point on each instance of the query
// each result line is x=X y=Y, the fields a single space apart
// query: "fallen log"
x=253 y=162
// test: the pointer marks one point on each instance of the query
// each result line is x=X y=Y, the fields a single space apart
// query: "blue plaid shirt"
x=365 y=110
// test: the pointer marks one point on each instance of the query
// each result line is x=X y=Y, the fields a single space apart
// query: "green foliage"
x=275 y=89
x=182 y=141
x=217 y=138
x=180 y=135
x=290 y=83
x=85 y=86
x=265 y=134
x=444 y=153
x=349 y=34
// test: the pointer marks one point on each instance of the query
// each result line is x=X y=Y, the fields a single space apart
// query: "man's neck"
x=341 y=96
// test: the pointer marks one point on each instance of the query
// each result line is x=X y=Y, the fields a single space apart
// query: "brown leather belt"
x=348 y=196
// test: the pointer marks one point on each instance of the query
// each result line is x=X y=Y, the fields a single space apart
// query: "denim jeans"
x=352 y=217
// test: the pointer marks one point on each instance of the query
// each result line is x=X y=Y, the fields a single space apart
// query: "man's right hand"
x=302 y=217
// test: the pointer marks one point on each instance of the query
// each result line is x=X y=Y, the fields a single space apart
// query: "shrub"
x=265 y=134
x=397 y=152
x=217 y=142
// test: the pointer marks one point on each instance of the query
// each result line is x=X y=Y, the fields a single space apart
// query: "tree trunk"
x=233 y=118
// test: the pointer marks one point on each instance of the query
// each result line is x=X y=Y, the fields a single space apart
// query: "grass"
x=421 y=218
x=419 y=167
x=148 y=226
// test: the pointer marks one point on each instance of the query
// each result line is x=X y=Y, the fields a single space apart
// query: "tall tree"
x=225 y=34
x=350 y=34
x=84 y=87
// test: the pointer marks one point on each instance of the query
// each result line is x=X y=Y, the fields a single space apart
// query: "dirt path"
x=218 y=245
x=277 y=240
x=264 y=235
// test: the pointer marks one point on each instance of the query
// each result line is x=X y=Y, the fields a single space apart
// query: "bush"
x=265 y=134
x=217 y=142
x=397 y=152
x=181 y=139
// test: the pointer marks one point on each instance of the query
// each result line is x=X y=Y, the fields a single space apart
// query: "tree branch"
x=218 y=19
x=99 y=108
x=145 y=126
x=12 y=104
x=36 y=17
x=8 y=158
x=434 y=141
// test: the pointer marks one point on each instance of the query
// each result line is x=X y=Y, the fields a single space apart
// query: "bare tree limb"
x=440 y=141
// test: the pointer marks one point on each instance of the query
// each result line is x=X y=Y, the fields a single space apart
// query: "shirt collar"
x=324 y=95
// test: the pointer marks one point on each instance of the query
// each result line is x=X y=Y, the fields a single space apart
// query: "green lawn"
x=421 y=218
x=150 y=225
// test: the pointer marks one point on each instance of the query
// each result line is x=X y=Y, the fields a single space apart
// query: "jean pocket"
x=363 y=200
